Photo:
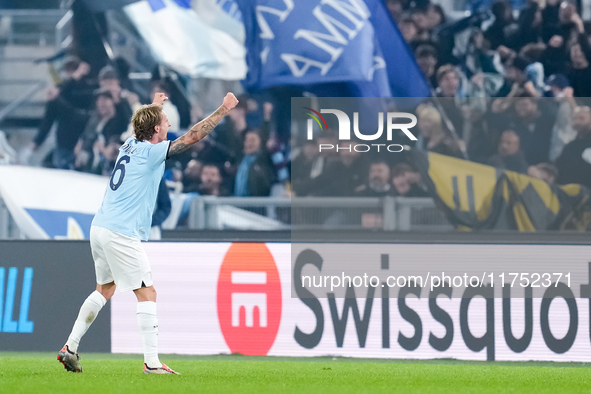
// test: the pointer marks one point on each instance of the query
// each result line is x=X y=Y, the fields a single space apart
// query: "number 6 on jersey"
x=120 y=166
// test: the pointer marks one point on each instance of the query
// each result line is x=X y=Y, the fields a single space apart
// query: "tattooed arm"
x=203 y=128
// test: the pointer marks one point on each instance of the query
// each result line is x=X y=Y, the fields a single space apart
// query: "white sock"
x=148 y=325
x=88 y=312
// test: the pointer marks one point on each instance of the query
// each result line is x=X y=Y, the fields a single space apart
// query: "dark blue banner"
x=312 y=42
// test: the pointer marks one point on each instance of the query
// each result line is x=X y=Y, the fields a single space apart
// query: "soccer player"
x=124 y=220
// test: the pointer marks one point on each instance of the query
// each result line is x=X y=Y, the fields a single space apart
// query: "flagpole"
x=449 y=124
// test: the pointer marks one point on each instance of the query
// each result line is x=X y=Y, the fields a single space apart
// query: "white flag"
x=179 y=38
x=51 y=204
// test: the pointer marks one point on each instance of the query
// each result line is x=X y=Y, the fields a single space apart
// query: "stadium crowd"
x=509 y=90
x=92 y=119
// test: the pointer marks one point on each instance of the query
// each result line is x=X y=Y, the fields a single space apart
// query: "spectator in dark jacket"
x=342 y=176
x=580 y=73
x=509 y=156
x=109 y=80
x=574 y=164
x=500 y=32
x=226 y=140
x=378 y=182
x=530 y=25
x=101 y=126
x=407 y=182
x=427 y=59
x=306 y=168
x=533 y=123
x=433 y=137
x=107 y=156
x=254 y=176
x=67 y=107
x=211 y=181
x=550 y=19
x=448 y=82
x=192 y=176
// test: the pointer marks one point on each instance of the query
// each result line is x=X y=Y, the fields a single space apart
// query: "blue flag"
x=352 y=43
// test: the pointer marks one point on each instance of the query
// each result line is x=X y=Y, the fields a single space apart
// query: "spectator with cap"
x=558 y=85
x=574 y=164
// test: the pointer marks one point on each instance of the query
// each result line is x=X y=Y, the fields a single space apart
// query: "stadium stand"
x=509 y=82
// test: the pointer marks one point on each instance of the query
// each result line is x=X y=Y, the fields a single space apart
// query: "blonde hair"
x=430 y=113
x=144 y=121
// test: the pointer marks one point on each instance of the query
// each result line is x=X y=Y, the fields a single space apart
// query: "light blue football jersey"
x=131 y=194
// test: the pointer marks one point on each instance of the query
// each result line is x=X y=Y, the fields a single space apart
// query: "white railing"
x=269 y=213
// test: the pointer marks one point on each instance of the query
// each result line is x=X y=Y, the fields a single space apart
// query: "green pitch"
x=106 y=373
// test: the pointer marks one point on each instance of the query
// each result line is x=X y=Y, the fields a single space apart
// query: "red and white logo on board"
x=249 y=299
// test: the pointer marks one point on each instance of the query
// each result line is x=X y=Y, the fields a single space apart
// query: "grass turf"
x=41 y=372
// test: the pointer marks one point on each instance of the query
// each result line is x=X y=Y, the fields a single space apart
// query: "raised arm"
x=203 y=128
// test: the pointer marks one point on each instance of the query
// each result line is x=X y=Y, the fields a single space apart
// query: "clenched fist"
x=230 y=101
x=159 y=98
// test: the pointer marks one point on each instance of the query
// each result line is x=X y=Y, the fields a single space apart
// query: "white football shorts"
x=119 y=258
